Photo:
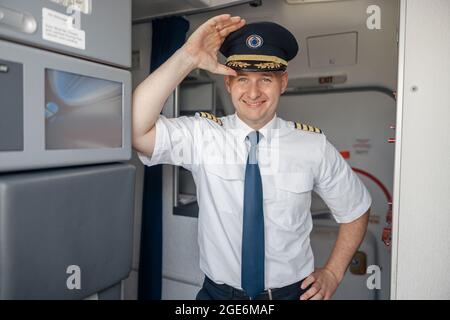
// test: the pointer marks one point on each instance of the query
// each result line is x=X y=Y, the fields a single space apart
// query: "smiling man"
x=254 y=171
x=255 y=95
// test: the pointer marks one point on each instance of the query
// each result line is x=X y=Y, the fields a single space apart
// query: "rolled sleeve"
x=174 y=142
x=339 y=186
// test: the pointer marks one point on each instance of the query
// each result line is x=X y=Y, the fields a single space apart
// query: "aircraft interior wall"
x=66 y=193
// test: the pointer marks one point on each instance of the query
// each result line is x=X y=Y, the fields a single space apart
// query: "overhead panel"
x=331 y=50
x=144 y=10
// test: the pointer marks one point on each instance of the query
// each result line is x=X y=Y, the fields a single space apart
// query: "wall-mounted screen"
x=59 y=111
x=82 y=112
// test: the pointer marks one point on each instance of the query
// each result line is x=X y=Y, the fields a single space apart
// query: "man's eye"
x=242 y=79
x=267 y=80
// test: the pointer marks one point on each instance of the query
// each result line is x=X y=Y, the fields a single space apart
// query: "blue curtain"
x=169 y=34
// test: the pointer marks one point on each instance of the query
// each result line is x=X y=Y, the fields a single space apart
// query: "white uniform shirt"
x=292 y=162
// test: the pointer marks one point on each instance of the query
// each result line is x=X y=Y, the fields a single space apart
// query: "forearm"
x=349 y=239
x=149 y=97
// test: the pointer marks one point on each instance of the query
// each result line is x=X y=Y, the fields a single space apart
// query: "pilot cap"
x=259 y=46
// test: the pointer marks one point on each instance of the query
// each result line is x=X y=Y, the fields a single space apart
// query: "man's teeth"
x=253 y=103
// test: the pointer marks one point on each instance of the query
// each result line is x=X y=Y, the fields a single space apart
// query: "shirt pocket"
x=293 y=183
x=225 y=185
x=290 y=199
x=284 y=185
x=226 y=172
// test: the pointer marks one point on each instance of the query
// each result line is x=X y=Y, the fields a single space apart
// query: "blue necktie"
x=252 y=265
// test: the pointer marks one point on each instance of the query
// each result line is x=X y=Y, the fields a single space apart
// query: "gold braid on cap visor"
x=267 y=62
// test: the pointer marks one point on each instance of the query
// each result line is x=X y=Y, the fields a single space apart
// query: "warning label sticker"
x=59 y=28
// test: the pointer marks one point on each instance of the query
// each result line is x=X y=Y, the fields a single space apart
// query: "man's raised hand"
x=203 y=45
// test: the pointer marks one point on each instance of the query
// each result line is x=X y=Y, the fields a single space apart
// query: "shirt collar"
x=242 y=129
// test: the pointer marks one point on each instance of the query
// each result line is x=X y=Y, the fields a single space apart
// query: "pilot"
x=254 y=171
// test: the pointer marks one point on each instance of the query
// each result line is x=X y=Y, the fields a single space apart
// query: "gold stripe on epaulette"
x=305 y=127
x=210 y=117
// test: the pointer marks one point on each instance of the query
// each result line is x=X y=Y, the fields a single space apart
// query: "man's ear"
x=227 y=80
x=284 y=81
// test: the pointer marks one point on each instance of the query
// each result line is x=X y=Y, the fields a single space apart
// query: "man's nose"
x=253 y=91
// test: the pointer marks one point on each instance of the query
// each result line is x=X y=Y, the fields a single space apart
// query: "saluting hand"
x=324 y=284
x=203 y=45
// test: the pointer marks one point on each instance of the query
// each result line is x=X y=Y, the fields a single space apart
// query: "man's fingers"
x=221 y=69
x=231 y=28
x=217 y=19
x=317 y=296
x=219 y=25
x=308 y=281
x=222 y=21
x=308 y=294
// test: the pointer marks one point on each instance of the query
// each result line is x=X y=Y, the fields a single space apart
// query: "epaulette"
x=210 y=117
x=305 y=127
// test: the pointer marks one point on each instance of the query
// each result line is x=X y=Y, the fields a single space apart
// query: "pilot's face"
x=255 y=95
